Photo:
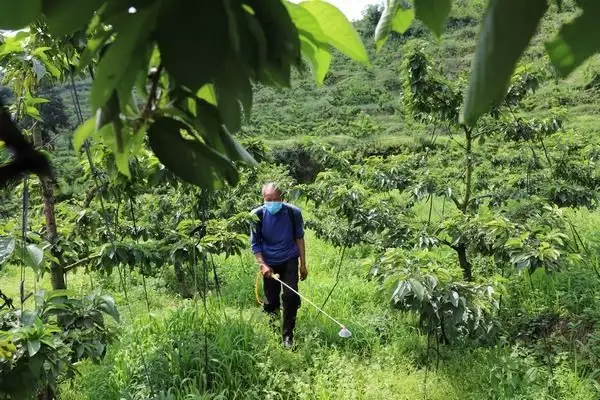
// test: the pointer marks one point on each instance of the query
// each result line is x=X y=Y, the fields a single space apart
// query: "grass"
x=386 y=358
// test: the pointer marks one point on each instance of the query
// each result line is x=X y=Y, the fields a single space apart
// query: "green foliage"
x=433 y=14
x=492 y=70
x=395 y=17
x=575 y=42
x=41 y=345
x=394 y=184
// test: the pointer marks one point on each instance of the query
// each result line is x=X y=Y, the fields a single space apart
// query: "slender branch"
x=152 y=96
x=452 y=137
x=483 y=196
x=337 y=276
x=545 y=152
x=455 y=201
x=430 y=209
x=469 y=174
x=82 y=261
x=90 y=196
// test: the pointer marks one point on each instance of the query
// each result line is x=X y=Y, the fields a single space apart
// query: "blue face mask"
x=273 y=207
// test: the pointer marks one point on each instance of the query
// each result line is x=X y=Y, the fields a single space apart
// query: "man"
x=277 y=242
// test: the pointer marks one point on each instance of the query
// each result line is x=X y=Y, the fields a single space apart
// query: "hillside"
x=367 y=103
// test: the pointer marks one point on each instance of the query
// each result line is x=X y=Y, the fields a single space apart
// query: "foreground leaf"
x=500 y=46
x=313 y=42
x=201 y=34
x=108 y=306
x=577 y=41
x=33 y=257
x=33 y=346
x=320 y=58
x=16 y=14
x=82 y=132
x=7 y=247
x=433 y=13
x=394 y=18
x=114 y=64
x=66 y=16
x=337 y=29
x=192 y=161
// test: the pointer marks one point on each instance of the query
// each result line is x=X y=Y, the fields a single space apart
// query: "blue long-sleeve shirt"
x=273 y=237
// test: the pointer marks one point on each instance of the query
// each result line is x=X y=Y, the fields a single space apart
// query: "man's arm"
x=302 y=251
x=264 y=268
x=256 y=243
x=301 y=246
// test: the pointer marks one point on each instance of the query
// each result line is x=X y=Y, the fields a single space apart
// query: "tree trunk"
x=464 y=262
x=56 y=269
x=180 y=277
x=469 y=173
x=45 y=394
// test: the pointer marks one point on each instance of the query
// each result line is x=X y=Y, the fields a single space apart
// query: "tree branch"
x=26 y=158
x=455 y=201
x=152 y=95
x=82 y=261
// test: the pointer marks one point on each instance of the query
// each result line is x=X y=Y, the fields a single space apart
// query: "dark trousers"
x=288 y=273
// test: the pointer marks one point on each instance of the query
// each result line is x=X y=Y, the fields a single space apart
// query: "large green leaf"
x=93 y=46
x=194 y=48
x=33 y=257
x=433 y=13
x=33 y=346
x=418 y=289
x=313 y=42
x=7 y=247
x=138 y=62
x=320 y=58
x=337 y=29
x=82 y=132
x=10 y=46
x=36 y=364
x=232 y=87
x=66 y=16
x=107 y=304
x=207 y=92
x=396 y=18
x=208 y=124
x=306 y=23
x=16 y=14
x=282 y=44
x=500 y=46
x=577 y=40
x=134 y=31
x=191 y=160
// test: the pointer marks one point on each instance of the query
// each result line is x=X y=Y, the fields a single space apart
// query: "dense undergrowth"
x=549 y=351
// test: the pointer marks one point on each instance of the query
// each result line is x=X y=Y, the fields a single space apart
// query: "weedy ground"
x=162 y=351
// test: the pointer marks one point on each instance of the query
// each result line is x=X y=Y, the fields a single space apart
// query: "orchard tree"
x=505 y=32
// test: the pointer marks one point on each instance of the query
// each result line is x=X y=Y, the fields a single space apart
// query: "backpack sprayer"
x=344 y=332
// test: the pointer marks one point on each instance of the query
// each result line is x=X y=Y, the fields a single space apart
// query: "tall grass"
x=386 y=358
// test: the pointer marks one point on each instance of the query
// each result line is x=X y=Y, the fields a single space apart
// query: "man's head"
x=271 y=192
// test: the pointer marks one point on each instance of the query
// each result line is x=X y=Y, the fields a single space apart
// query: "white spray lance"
x=344 y=332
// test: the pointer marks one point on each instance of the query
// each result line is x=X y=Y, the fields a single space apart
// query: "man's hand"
x=265 y=270
x=303 y=272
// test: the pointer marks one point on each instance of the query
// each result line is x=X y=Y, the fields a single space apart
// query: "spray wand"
x=344 y=332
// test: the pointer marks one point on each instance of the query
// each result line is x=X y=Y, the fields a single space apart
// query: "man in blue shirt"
x=277 y=242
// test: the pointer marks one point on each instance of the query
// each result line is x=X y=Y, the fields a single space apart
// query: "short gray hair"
x=271 y=185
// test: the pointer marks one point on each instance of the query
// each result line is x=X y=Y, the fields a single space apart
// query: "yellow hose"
x=256 y=288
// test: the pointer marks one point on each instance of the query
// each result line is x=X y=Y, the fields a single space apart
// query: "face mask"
x=273 y=207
